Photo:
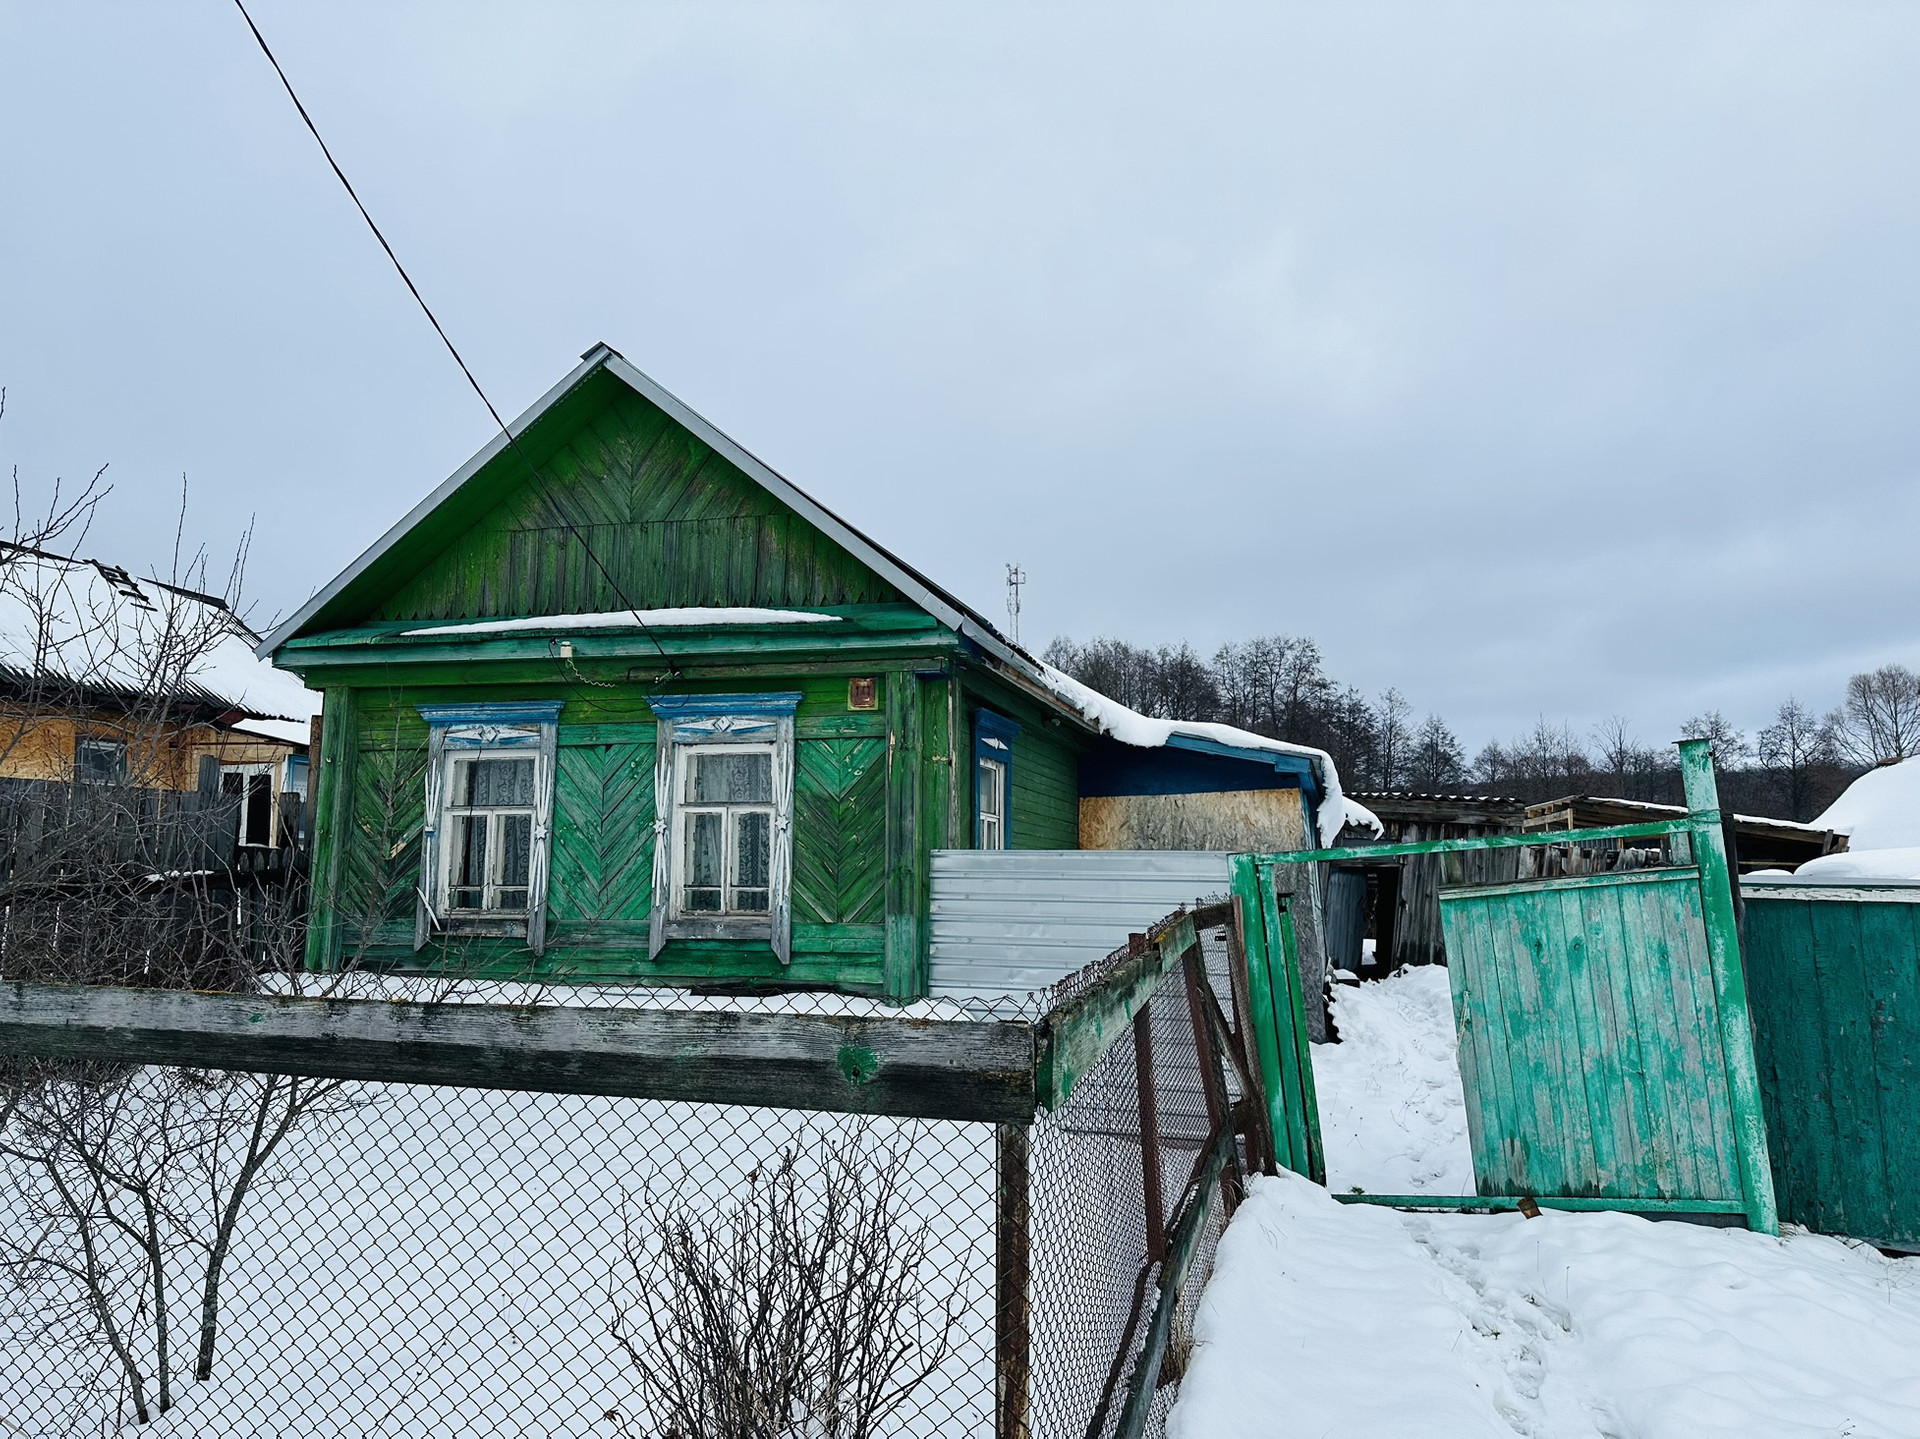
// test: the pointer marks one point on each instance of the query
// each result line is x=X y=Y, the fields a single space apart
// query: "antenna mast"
x=1016 y=577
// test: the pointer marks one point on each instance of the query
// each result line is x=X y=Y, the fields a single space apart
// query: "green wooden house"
x=616 y=701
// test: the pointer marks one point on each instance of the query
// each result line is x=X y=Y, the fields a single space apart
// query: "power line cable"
x=427 y=310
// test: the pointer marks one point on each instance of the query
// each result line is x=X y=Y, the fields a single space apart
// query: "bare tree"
x=1793 y=749
x=1730 y=746
x=802 y=1310
x=1393 y=740
x=1438 y=761
x=125 y=1186
x=1879 y=719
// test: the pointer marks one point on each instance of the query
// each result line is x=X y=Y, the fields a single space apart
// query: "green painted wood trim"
x=1502 y=1204
x=632 y=647
x=849 y=619
x=1244 y=886
x=385 y=671
x=1080 y=1032
x=1278 y=1016
x=636 y=732
x=333 y=811
x=1491 y=841
x=1145 y=1379
x=1292 y=1038
x=1665 y=874
x=1729 y=980
x=968 y=1070
x=905 y=857
x=937 y=750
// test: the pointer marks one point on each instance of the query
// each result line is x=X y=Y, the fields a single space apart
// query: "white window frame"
x=251 y=772
x=685 y=809
x=690 y=724
x=456 y=732
x=993 y=737
x=490 y=883
x=991 y=828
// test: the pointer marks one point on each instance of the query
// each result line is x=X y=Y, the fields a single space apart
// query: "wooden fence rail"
x=981 y=1070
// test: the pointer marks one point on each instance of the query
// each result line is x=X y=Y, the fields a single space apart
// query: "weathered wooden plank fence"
x=161 y=830
x=1605 y=1047
x=1834 y=975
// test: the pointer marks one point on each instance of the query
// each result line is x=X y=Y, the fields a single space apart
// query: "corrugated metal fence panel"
x=1833 y=978
x=1008 y=922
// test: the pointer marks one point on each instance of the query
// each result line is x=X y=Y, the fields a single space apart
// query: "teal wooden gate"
x=1835 y=978
x=1606 y=1051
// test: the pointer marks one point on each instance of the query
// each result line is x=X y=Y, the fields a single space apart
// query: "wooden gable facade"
x=617 y=498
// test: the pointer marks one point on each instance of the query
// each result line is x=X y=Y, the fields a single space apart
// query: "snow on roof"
x=1129 y=726
x=632 y=619
x=1880 y=810
x=1679 y=809
x=295 y=732
x=64 y=618
x=1867 y=866
x=231 y=670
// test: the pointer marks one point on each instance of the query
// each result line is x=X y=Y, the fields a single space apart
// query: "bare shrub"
x=798 y=1311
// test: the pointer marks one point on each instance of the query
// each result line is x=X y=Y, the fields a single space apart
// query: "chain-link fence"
x=291 y=1245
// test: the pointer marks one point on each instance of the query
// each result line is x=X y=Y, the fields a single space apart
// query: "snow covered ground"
x=1392 y=1117
x=1329 y=1319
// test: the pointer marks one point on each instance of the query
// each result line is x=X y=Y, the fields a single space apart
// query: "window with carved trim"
x=723 y=856
x=487 y=835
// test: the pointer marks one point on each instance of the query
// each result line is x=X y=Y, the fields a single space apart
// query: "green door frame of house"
x=1618 y=995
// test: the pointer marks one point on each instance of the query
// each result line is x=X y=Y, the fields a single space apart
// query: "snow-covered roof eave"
x=1129 y=726
x=684 y=617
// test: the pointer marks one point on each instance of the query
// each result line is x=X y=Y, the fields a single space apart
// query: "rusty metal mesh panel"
x=1095 y=1270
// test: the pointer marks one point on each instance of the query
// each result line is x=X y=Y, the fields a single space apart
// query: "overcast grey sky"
x=1538 y=359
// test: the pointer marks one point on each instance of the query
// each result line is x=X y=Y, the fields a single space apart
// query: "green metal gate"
x=1835 y=975
x=1605 y=1047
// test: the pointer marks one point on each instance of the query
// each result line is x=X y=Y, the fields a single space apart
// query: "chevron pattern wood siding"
x=673 y=522
x=602 y=885
x=380 y=865
x=839 y=823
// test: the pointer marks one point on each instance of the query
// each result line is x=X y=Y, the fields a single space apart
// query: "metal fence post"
x=1153 y=1196
x=1013 y=1281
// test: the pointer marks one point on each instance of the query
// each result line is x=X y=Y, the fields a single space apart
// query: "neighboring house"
x=740 y=779
x=1756 y=841
x=109 y=679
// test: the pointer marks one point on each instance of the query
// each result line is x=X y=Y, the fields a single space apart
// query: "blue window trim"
x=750 y=706
x=988 y=728
x=508 y=712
